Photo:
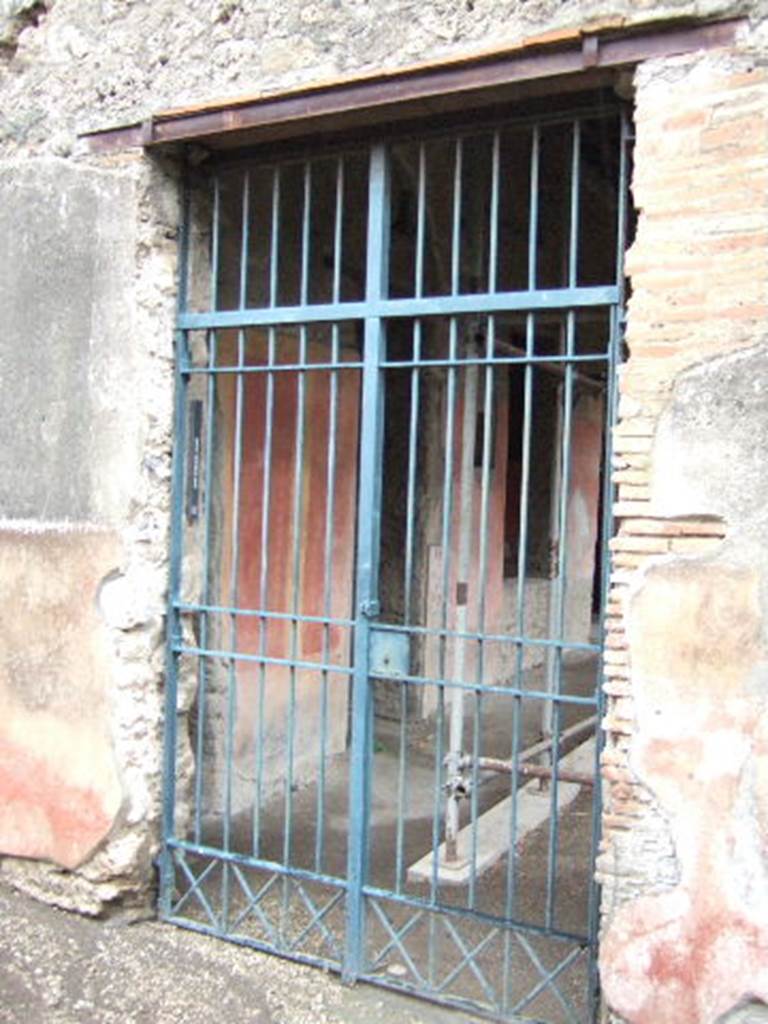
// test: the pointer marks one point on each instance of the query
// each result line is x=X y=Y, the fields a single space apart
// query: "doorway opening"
x=396 y=385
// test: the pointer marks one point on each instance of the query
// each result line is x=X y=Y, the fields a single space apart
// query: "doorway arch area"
x=396 y=382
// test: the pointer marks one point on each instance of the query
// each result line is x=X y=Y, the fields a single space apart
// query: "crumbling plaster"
x=87 y=285
x=686 y=758
x=67 y=66
x=696 y=629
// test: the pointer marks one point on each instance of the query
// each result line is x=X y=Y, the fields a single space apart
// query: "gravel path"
x=59 y=968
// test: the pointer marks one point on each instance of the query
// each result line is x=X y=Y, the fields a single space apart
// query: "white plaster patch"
x=120 y=602
x=723 y=753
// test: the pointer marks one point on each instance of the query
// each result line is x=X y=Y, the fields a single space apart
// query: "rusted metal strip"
x=497 y=764
x=541 y=771
x=409 y=92
x=538 y=771
x=586 y=725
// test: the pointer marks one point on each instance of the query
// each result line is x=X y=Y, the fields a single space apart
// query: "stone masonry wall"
x=86 y=453
x=68 y=66
x=87 y=287
x=683 y=857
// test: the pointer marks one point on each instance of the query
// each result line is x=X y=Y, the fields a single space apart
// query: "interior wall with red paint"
x=283 y=551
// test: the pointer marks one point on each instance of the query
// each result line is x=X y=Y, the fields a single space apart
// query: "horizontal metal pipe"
x=540 y=747
x=578 y=729
x=558 y=367
x=539 y=771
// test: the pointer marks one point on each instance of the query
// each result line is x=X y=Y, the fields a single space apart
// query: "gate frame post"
x=367 y=568
x=617 y=328
x=173 y=617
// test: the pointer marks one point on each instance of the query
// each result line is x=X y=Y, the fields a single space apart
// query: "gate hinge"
x=370 y=609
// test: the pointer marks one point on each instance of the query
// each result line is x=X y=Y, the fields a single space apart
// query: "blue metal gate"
x=395 y=387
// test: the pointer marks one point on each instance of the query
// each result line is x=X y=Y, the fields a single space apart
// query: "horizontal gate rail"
x=247 y=860
x=508 y=638
x=261 y=613
x=488 y=688
x=384 y=627
x=260 y=659
x=470 y=914
x=533 y=300
x=276 y=370
x=543 y=361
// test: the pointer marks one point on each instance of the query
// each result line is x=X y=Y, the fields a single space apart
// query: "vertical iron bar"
x=296 y=521
x=266 y=489
x=533 y=213
x=330 y=495
x=489 y=434
x=415 y=382
x=368 y=524
x=410 y=517
x=409 y=543
x=553 y=719
x=511 y=879
x=245 y=238
x=215 y=242
x=202 y=685
x=493 y=225
x=237 y=466
x=446 y=540
x=522 y=543
x=173 y=620
x=611 y=416
x=469 y=418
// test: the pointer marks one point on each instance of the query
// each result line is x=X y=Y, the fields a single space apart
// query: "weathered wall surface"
x=86 y=268
x=83 y=64
x=86 y=278
x=58 y=776
x=683 y=855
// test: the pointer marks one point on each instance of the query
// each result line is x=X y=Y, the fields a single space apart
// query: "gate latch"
x=389 y=653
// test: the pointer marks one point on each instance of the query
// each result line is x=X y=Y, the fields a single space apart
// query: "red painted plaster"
x=277 y=640
x=60 y=791
x=584 y=487
x=690 y=955
x=42 y=814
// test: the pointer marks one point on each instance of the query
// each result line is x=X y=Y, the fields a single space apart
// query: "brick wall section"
x=699 y=276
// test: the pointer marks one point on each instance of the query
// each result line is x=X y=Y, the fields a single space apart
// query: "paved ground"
x=58 y=968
